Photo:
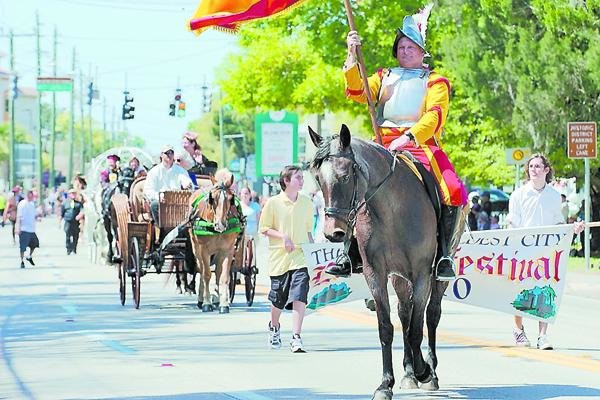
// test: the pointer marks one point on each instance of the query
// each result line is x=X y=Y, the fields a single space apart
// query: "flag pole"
x=363 y=73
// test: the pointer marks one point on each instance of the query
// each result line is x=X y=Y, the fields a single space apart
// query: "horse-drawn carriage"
x=145 y=246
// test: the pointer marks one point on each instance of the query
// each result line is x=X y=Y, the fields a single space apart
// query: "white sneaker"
x=296 y=344
x=543 y=343
x=274 y=337
x=520 y=338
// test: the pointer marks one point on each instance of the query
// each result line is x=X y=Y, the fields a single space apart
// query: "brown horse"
x=375 y=197
x=216 y=208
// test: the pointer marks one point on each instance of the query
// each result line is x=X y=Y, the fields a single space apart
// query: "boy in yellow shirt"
x=287 y=221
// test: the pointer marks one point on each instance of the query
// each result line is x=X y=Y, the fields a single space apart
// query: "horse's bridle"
x=350 y=214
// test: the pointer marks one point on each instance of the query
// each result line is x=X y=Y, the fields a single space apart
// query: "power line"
x=119 y=6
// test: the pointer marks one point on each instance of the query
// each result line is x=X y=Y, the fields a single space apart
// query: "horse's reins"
x=351 y=213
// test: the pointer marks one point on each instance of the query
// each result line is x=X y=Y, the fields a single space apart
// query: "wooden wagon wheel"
x=120 y=205
x=134 y=264
x=250 y=271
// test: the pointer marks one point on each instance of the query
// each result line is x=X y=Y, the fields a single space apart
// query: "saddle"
x=426 y=178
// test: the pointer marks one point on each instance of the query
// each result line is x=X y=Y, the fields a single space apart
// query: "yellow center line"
x=579 y=362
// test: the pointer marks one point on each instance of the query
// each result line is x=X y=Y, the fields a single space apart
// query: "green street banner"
x=515 y=271
x=54 y=84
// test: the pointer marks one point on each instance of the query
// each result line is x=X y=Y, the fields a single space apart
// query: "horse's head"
x=339 y=176
x=220 y=201
x=125 y=179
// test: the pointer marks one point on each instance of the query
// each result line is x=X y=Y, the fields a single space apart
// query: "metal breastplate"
x=401 y=97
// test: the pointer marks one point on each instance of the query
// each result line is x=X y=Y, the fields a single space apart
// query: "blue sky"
x=144 y=43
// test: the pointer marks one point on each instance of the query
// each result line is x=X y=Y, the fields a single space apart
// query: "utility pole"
x=53 y=140
x=90 y=145
x=12 y=177
x=39 y=138
x=82 y=129
x=72 y=123
x=112 y=127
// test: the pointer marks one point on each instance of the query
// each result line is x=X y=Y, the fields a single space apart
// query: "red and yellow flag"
x=228 y=14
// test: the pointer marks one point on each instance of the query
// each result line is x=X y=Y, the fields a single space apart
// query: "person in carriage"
x=166 y=175
x=412 y=105
x=112 y=171
x=134 y=164
x=193 y=159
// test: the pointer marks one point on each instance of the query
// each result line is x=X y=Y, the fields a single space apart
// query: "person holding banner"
x=536 y=204
x=412 y=105
x=287 y=220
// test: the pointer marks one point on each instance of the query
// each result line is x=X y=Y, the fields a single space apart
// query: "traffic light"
x=206 y=104
x=90 y=93
x=178 y=95
x=15 y=87
x=172 y=109
x=128 y=108
x=181 y=110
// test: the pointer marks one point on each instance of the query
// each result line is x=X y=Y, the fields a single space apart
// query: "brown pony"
x=373 y=196
x=216 y=207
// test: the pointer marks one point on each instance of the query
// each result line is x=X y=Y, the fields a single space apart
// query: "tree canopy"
x=519 y=69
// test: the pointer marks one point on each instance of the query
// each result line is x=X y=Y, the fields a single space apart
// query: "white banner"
x=516 y=271
x=326 y=289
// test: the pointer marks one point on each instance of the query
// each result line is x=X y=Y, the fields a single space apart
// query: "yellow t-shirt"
x=292 y=218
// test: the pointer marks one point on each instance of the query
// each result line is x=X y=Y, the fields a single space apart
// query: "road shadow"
x=529 y=392
x=259 y=394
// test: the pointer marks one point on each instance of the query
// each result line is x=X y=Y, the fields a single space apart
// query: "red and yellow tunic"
x=427 y=130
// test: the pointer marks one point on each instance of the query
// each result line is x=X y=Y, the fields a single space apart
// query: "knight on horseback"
x=412 y=105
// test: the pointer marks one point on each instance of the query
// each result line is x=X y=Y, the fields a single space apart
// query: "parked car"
x=498 y=198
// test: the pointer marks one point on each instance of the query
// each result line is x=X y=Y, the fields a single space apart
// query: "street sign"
x=54 y=84
x=276 y=141
x=517 y=156
x=581 y=139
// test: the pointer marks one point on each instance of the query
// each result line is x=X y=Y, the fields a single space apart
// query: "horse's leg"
x=224 y=261
x=177 y=269
x=207 y=305
x=196 y=253
x=404 y=291
x=109 y=237
x=378 y=285
x=421 y=293
x=434 y=313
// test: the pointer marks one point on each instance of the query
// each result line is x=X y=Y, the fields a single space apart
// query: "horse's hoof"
x=433 y=384
x=207 y=308
x=408 y=383
x=116 y=260
x=178 y=290
x=199 y=304
x=224 y=310
x=383 y=394
x=426 y=376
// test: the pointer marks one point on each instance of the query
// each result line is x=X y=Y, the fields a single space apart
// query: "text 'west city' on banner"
x=516 y=271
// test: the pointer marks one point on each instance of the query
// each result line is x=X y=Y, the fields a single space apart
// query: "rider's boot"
x=450 y=229
x=347 y=265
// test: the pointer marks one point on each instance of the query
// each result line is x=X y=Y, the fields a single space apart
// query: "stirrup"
x=340 y=270
x=445 y=272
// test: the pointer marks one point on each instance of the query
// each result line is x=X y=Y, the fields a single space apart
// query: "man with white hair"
x=165 y=176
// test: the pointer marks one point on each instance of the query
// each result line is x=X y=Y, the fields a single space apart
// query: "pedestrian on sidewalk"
x=287 y=220
x=10 y=212
x=536 y=204
x=25 y=227
x=72 y=214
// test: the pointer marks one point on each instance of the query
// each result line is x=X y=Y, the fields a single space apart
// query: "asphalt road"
x=65 y=335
